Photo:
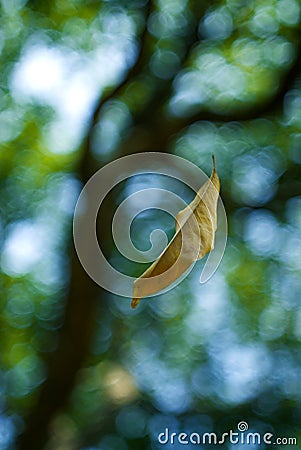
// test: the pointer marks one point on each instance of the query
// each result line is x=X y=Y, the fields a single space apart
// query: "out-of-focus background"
x=86 y=82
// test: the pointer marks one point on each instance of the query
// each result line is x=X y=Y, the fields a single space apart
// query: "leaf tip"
x=213 y=161
x=135 y=302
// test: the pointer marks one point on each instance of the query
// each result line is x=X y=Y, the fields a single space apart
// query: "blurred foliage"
x=85 y=82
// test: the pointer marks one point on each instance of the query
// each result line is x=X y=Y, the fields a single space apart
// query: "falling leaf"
x=194 y=238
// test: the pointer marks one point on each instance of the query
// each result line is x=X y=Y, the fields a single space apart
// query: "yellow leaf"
x=194 y=238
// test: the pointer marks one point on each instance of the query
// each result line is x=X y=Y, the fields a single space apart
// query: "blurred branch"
x=159 y=129
x=271 y=106
x=158 y=98
x=88 y=163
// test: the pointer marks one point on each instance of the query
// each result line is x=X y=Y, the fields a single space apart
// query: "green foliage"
x=187 y=77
